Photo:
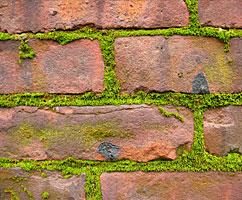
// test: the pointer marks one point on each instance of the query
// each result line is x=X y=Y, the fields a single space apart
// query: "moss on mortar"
x=195 y=160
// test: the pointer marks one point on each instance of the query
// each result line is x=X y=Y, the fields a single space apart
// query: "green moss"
x=27 y=191
x=13 y=189
x=192 y=101
x=25 y=51
x=44 y=175
x=180 y=75
x=230 y=60
x=13 y=193
x=19 y=138
x=195 y=160
x=167 y=114
x=92 y=133
x=6 y=36
x=42 y=138
x=181 y=149
x=85 y=135
x=38 y=77
x=45 y=195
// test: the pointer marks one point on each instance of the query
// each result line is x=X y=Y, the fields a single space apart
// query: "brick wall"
x=124 y=99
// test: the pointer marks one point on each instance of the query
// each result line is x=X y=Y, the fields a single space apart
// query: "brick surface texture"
x=222 y=130
x=154 y=135
x=225 y=14
x=41 y=15
x=54 y=184
x=73 y=68
x=128 y=99
x=159 y=64
x=161 y=186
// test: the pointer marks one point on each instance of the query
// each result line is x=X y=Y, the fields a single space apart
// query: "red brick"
x=236 y=53
x=77 y=67
x=159 y=186
x=41 y=15
x=39 y=133
x=54 y=184
x=220 y=13
x=144 y=14
x=222 y=130
x=158 y=64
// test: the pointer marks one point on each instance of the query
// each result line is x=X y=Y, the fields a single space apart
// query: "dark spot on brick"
x=54 y=13
x=200 y=84
x=108 y=150
x=48 y=154
x=198 y=59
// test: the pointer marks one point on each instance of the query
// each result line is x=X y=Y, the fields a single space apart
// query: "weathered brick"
x=159 y=64
x=222 y=130
x=236 y=53
x=47 y=15
x=162 y=186
x=140 y=132
x=15 y=179
x=220 y=13
x=77 y=67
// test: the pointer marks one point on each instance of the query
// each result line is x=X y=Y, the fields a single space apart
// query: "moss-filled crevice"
x=107 y=38
x=167 y=114
x=197 y=159
x=25 y=51
x=191 y=101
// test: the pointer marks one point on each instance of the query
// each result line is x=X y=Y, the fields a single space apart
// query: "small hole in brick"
x=54 y=13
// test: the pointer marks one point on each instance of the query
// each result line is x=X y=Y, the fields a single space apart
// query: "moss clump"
x=180 y=75
x=45 y=195
x=25 y=51
x=44 y=175
x=25 y=131
x=167 y=114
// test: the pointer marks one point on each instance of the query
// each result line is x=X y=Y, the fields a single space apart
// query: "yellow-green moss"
x=45 y=195
x=196 y=160
x=84 y=134
x=16 y=187
x=38 y=78
x=167 y=114
x=13 y=193
x=25 y=51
